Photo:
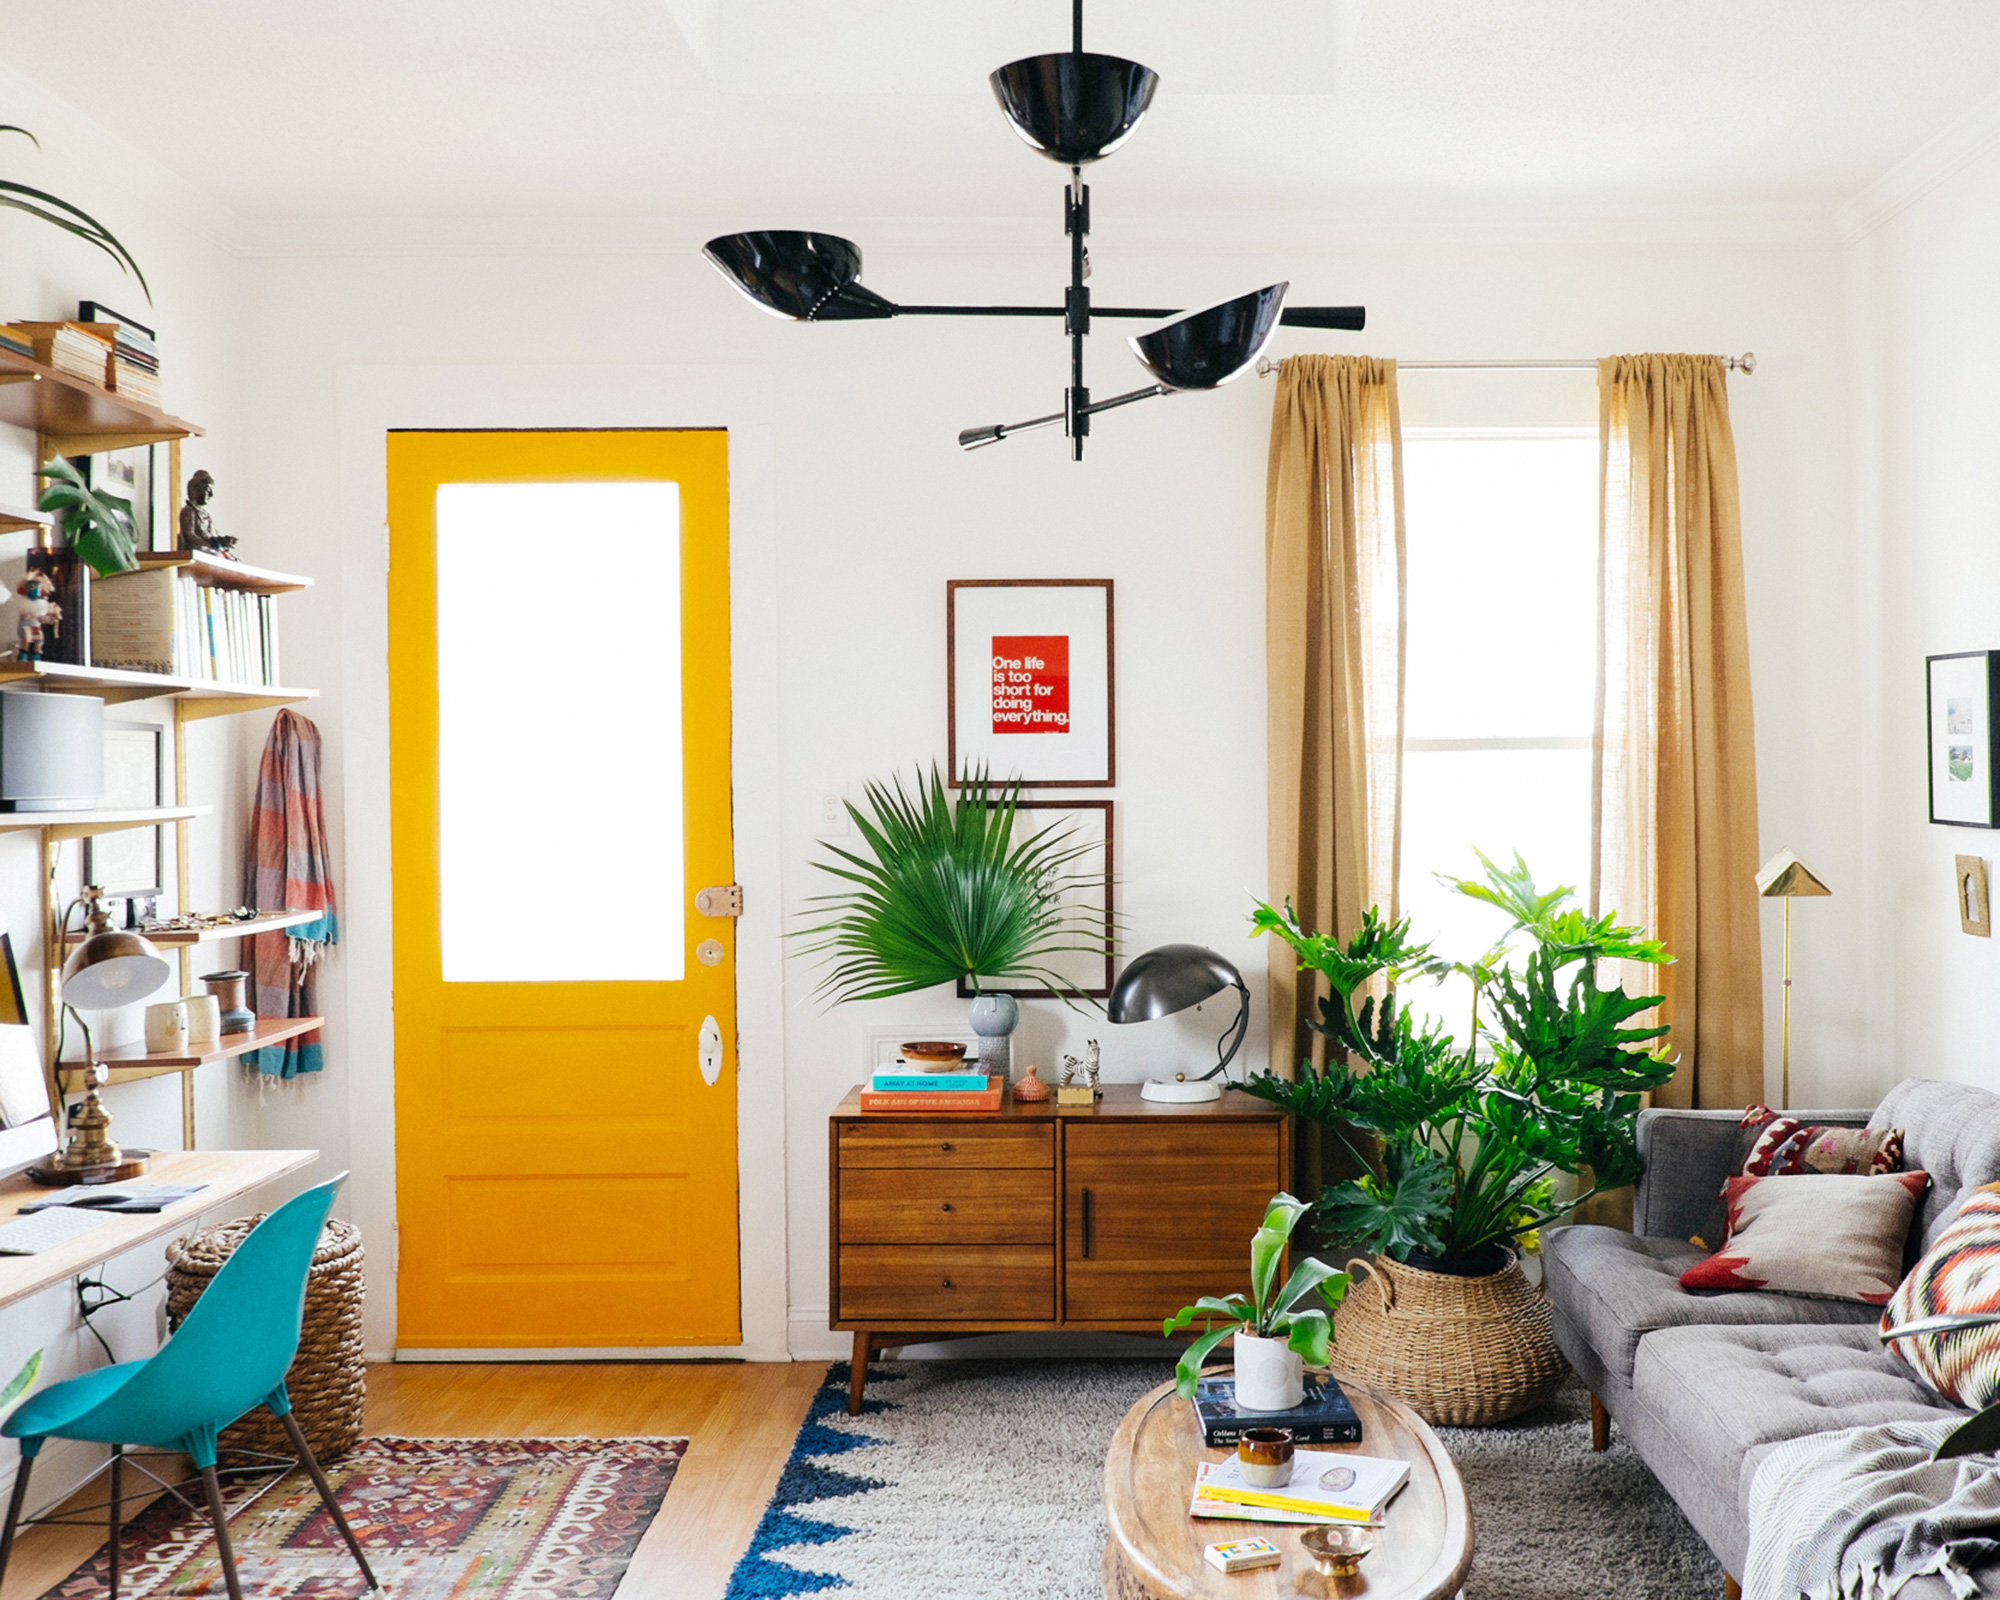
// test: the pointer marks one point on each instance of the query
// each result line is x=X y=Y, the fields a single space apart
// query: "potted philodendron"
x=1457 y=1143
x=1277 y=1332
x=949 y=889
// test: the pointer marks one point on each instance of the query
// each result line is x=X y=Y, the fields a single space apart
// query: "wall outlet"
x=833 y=821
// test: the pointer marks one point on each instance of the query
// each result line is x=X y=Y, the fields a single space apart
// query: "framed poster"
x=128 y=474
x=1086 y=894
x=130 y=864
x=1960 y=693
x=1029 y=690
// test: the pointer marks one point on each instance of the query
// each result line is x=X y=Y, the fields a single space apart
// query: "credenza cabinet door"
x=1156 y=1215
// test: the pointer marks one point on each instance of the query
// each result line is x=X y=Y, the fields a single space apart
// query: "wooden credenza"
x=1033 y=1217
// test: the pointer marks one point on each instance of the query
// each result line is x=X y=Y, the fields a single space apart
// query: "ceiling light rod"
x=973 y=438
x=1296 y=317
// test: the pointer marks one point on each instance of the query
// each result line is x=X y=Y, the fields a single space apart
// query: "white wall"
x=1926 y=332
x=853 y=508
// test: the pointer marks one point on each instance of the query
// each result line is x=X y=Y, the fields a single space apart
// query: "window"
x=1500 y=683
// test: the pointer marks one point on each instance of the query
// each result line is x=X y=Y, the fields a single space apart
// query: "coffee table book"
x=1324 y=1416
x=985 y=1100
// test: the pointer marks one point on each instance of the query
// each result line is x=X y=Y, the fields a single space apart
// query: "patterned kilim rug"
x=983 y=1480
x=441 y=1519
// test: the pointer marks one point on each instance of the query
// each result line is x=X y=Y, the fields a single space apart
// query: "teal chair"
x=230 y=1355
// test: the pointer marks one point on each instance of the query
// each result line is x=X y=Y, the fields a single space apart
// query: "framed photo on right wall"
x=1961 y=693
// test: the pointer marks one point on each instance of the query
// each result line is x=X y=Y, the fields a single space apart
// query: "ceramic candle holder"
x=167 y=1027
x=1264 y=1456
x=204 y=1020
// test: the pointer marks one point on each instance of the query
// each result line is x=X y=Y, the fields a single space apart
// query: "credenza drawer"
x=979 y=1205
x=941 y=1143
x=923 y=1284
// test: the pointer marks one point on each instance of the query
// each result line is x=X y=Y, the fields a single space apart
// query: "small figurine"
x=1031 y=1090
x=1082 y=1073
x=198 y=524
x=37 y=594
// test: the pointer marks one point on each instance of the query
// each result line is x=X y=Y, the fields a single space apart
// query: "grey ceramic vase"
x=994 y=1017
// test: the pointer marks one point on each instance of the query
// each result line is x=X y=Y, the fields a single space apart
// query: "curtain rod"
x=1745 y=363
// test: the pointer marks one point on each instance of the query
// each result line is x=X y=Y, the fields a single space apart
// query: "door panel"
x=559 y=746
x=1155 y=1217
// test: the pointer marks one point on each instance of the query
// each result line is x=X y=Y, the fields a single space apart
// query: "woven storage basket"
x=328 y=1378
x=1460 y=1351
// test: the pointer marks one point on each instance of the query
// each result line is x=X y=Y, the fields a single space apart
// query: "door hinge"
x=725 y=900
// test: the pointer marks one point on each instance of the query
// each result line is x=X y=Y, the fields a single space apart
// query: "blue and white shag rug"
x=983 y=1480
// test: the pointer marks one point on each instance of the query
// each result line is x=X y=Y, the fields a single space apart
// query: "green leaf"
x=1309 y=1275
x=1187 y=1373
x=1409 y=1211
x=99 y=526
x=1235 y=1308
x=1310 y=1333
x=18 y=1386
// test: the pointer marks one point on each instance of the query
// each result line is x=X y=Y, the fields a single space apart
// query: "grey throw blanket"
x=1858 y=1513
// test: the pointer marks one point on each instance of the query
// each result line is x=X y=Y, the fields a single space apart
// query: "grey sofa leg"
x=1600 y=1425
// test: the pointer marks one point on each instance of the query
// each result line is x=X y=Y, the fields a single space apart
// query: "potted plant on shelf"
x=947 y=890
x=1277 y=1334
x=1457 y=1144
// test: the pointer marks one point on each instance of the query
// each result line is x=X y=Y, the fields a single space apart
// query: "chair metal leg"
x=15 y=1502
x=311 y=1463
x=220 y=1517
x=117 y=1494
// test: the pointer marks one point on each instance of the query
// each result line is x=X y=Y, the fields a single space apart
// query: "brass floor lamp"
x=1785 y=877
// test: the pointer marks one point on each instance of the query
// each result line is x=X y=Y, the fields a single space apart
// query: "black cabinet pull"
x=1086 y=1224
x=947 y=1283
x=945 y=1207
x=946 y=1146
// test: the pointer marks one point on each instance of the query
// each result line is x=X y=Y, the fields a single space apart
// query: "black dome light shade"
x=1074 y=108
x=1204 y=349
x=803 y=277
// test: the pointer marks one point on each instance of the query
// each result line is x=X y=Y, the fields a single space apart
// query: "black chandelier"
x=1074 y=108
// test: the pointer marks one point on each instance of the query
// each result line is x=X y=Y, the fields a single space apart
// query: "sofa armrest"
x=1687 y=1155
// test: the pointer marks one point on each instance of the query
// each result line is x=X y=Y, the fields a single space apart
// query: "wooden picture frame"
x=1961 y=694
x=130 y=864
x=1975 y=911
x=1092 y=974
x=1054 y=723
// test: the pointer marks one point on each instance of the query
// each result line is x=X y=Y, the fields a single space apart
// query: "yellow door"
x=565 y=1015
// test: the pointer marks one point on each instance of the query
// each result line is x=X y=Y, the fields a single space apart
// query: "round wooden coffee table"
x=1154 y=1548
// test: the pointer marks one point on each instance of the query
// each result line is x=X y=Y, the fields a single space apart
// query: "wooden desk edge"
x=128 y=1233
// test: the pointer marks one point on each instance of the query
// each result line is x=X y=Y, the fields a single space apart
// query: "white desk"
x=227 y=1175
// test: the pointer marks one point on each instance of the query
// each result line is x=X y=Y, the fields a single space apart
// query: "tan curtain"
x=1675 y=809
x=1333 y=544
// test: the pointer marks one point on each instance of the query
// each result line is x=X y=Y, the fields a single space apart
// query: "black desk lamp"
x=1170 y=979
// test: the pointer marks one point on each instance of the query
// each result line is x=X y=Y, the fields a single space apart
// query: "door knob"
x=708 y=1051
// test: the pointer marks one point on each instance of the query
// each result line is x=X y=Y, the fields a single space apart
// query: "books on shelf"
x=134 y=381
x=159 y=619
x=82 y=349
x=987 y=1099
x=1326 y=1486
x=1324 y=1416
x=18 y=339
x=890 y=1081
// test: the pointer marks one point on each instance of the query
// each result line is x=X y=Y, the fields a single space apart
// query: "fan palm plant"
x=947 y=891
x=61 y=214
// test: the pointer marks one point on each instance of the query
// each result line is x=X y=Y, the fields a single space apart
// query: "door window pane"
x=560 y=852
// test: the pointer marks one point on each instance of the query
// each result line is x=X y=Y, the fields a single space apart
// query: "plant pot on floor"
x=1270 y=1374
x=1460 y=1350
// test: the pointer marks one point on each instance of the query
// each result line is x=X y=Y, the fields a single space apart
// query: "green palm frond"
x=945 y=890
x=59 y=213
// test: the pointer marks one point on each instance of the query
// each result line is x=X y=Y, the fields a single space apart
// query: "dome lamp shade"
x=1170 y=979
x=800 y=276
x=113 y=968
x=1074 y=107
x=1204 y=349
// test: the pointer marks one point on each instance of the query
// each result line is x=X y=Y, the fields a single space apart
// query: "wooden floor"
x=740 y=1419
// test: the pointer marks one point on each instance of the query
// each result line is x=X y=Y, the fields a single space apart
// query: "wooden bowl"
x=936 y=1055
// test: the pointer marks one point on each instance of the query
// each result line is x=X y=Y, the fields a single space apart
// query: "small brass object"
x=1334 y=1554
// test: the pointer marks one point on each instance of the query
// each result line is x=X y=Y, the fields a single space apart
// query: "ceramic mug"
x=1264 y=1456
x=167 y=1027
x=204 y=1020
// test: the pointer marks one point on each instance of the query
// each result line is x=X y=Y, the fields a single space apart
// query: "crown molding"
x=1921 y=171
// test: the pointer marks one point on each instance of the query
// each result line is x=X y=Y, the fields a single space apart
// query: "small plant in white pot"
x=1278 y=1332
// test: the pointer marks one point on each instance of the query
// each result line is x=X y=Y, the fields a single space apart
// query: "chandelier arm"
x=1141 y=312
x=993 y=433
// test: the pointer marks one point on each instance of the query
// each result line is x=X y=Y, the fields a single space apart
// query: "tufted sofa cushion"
x=1951 y=1131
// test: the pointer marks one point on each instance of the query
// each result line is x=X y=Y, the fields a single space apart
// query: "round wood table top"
x=1154 y=1551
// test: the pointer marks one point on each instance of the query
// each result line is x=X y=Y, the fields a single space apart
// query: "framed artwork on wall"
x=1029 y=681
x=1087 y=898
x=132 y=863
x=1961 y=691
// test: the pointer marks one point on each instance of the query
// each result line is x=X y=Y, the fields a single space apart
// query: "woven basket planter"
x=1461 y=1351
x=328 y=1379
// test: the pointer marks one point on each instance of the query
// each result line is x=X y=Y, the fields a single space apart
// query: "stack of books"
x=135 y=363
x=1327 y=1486
x=16 y=338
x=159 y=619
x=82 y=349
x=1324 y=1416
x=900 y=1089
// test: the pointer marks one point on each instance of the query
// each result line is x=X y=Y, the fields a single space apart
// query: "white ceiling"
x=783 y=112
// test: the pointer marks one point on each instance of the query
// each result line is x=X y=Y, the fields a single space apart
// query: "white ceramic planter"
x=1270 y=1375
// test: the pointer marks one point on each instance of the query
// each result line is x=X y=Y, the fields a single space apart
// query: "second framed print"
x=1961 y=692
x=1029 y=681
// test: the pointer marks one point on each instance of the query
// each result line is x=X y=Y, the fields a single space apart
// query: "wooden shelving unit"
x=174 y=938
x=61 y=825
x=204 y=697
x=15 y=518
x=216 y=573
x=132 y=1063
x=76 y=417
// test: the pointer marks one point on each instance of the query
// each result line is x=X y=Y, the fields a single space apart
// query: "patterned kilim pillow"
x=1836 y=1238
x=1960 y=1272
x=1789 y=1147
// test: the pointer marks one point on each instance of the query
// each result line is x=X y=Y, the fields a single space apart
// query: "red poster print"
x=1031 y=683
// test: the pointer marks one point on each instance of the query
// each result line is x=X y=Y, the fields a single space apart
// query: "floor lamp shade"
x=1785 y=877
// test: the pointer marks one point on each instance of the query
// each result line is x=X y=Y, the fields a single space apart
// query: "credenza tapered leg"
x=864 y=1348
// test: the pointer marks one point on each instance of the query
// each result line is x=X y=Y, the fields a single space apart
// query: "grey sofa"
x=1704 y=1383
